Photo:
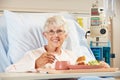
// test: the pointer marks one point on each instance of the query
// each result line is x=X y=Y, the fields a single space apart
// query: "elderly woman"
x=55 y=31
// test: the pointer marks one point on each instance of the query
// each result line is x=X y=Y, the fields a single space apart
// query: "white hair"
x=56 y=21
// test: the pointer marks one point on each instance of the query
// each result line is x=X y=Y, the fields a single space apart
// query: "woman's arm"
x=27 y=63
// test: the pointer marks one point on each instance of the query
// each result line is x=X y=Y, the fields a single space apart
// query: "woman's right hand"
x=44 y=59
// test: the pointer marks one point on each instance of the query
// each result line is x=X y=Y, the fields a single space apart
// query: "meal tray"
x=53 y=71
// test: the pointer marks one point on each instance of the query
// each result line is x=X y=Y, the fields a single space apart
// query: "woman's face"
x=55 y=36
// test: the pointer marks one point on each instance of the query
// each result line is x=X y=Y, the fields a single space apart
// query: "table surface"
x=28 y=76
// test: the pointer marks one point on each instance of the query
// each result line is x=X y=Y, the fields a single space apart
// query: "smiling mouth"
x=56 y=40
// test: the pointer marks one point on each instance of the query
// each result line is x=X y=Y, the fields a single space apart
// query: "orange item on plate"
x=81 y=60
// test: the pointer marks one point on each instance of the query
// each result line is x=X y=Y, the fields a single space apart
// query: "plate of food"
x=81 y=64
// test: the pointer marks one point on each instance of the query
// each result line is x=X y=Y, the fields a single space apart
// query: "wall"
x=116 y=34
x=48 y=5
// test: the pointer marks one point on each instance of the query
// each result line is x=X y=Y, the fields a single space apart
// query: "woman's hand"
x=104 y=64
x=44 y=59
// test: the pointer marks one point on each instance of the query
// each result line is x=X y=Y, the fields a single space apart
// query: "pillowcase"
x=25 y=33
x=3 y=33
x=4 y=61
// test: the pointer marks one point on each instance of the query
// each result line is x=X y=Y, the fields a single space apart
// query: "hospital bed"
x=21 y=32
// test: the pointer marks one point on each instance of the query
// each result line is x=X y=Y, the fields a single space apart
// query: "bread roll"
x=81 y=60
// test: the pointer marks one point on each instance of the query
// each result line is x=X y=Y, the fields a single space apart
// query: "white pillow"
x=3 y=33
x=25 y=33
x=4 y=61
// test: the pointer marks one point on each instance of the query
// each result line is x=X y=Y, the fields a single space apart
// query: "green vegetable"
x=93 y=62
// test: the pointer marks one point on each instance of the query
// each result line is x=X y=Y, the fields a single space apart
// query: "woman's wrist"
x=37 y=64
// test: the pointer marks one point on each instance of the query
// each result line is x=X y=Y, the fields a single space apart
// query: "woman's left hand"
x=104 y=64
